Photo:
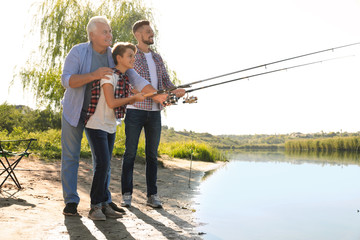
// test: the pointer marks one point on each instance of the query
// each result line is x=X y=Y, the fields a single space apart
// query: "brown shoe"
x=96 y=214
x=110 y=213
x=116 y=208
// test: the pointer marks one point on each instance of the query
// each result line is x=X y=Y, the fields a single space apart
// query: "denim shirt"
x=78 y=61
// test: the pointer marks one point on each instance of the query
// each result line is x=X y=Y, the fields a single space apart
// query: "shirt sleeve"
x=110 y=80
x=71 y=66
x=136 y=80
x=165 y=76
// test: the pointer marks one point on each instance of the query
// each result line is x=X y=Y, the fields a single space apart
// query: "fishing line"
x=268 y=72
x=188 y=85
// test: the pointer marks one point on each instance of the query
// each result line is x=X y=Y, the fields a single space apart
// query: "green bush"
x=191 y=149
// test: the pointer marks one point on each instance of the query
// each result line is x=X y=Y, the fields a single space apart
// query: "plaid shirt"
x=122 y=90
x=141 y=67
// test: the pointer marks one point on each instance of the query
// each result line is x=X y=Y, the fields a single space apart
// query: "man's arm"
x=167 y=82
x=71 y=77
x=144 y=86
x=78 y=80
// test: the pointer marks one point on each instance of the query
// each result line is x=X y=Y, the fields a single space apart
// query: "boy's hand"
x=137 y=98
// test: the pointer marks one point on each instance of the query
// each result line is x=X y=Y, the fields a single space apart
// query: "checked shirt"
x=141 y=67
x=122 y=90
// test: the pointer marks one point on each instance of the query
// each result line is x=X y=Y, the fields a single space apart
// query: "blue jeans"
x=70 y=154
x=101 y=144
x=135 y=120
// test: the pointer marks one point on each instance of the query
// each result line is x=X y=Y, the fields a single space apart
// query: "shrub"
x=191 y=149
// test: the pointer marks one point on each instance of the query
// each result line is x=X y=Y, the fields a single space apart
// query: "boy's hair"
x=139 y=24
x=92 y=24
x=120 y=48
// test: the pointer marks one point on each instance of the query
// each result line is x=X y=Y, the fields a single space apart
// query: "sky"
x=205 y=38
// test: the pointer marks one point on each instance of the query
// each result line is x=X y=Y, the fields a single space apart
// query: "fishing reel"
x=171 y=99
x=190 y=99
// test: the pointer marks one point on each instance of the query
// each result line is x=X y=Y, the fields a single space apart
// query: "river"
x=275 y=196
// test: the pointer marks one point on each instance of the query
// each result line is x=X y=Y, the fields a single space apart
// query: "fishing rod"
x=264 y=73
x=172 y=99
x=188 y=85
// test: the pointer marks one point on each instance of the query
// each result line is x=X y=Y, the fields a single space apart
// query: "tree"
x=62 y=24
x=26 y=118
x=11 y=117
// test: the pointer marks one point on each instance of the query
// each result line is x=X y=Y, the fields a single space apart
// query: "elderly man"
x=85 y=63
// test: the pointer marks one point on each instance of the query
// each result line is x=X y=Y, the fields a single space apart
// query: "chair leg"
x=11 y=167
x=10 y=173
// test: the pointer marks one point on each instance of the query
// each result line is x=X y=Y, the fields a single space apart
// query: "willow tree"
x=62 y=24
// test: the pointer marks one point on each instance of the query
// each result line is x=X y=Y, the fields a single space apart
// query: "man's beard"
x=148 y=42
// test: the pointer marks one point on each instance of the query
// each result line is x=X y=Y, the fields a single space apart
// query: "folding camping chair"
x=9 y=160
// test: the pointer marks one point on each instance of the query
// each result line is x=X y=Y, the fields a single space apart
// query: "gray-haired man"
x=85 y=63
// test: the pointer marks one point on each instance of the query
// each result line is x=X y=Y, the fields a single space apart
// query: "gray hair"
x=92 y=24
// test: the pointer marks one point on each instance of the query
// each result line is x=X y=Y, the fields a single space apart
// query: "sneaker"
x=96 y=214
x=110 y=213
x=116 y=208
x=154 y=201
x=126 y=200
x=70 y=209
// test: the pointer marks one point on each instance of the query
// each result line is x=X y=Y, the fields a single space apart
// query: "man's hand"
x=160 y=98
x=179 y=92
x=101 y=73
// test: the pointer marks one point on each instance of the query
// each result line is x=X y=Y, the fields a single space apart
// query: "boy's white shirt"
x=104 y=117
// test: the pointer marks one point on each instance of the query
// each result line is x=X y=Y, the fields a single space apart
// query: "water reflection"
x=342 y=157
x=298 y=157
x=211 y=172
x=278 y=195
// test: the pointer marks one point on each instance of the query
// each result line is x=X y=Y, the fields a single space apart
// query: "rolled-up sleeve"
x=165 y=76
x=110 y=80
x=136 y=80
x=71 y=66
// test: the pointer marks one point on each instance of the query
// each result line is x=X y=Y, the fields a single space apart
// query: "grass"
x=191 y=149
x=48 y=146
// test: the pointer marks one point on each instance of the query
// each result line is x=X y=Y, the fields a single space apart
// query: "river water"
x=275 y=196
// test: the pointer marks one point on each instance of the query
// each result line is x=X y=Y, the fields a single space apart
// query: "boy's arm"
x=113 y=102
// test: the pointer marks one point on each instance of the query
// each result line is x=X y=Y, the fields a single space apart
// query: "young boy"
x=108 y=103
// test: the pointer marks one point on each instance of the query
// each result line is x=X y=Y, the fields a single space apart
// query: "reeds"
x=324 y=144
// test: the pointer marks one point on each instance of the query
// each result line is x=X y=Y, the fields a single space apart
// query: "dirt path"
x=35 y=212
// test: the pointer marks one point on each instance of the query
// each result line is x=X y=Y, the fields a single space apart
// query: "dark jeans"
x=102 y=144
x=135 y=120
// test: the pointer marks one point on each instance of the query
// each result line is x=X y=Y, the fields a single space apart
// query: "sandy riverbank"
x=35 y=212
